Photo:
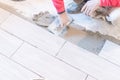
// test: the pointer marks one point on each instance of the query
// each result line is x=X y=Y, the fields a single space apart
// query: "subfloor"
x=30 y=52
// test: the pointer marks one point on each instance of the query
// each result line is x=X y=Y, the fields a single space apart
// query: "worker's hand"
x=90 y=7
x=64 y=19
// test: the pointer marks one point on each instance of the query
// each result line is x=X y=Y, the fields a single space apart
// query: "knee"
x=114 y=17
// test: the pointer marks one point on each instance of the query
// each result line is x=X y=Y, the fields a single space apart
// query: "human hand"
x=90 y=7
x=64 y=19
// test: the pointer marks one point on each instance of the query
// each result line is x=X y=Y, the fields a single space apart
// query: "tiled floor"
x=28 y=52
x=33 y=34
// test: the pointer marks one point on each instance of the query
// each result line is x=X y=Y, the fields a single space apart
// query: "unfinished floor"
x=29 y=52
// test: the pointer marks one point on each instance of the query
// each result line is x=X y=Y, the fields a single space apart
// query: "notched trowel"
x=56 y=29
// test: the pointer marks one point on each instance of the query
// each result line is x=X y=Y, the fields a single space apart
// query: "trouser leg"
x=75 y=6
x=79 y=1
x=114 y=17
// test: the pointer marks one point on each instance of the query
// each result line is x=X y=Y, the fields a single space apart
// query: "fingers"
x=89 y=8
x=93 y=9
x=86 y=9
x=83 y=8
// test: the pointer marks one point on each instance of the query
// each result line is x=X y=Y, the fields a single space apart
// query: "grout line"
x=74 y=67
x=11 y=33
x=109 y=61
x=90 y=76
x=17 y=49
x=86 y=77
x=61 y=48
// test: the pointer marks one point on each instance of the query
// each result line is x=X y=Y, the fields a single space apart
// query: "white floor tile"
x=8 y=43
x=111 y=52
x=33 y=34
x=89 y=63
x=3 y=15
x=12 y=71
x=46 y=65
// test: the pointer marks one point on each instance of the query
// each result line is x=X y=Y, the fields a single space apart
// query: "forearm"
x=110 y=3
x=59 y=5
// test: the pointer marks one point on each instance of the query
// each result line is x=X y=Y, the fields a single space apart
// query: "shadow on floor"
x=87 y=40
